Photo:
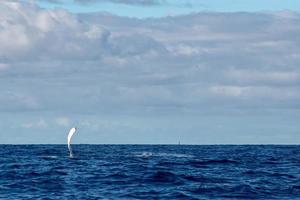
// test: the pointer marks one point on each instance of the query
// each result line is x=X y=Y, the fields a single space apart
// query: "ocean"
x=150 y=172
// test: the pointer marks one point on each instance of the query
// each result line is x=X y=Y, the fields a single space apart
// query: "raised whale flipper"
x=71 y=133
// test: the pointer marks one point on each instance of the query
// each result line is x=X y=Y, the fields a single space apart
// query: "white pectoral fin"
x=71 y=133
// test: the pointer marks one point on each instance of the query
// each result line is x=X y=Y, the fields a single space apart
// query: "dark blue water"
x=149 y=172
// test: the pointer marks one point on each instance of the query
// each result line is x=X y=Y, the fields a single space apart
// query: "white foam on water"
x=149 y=154
x=52 y=157
x=49 y=156
x=143 y=154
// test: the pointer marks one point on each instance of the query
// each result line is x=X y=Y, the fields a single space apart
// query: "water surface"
x=149 y=172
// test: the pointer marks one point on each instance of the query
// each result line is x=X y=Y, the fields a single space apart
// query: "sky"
x=162 y=8
x=150 y=71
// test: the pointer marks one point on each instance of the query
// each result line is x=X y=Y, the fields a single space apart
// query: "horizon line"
x=173 y=144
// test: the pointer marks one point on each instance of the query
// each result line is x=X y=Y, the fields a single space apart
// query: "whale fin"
x=71 y=133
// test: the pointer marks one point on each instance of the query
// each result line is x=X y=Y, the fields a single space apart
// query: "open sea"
x=150 y=172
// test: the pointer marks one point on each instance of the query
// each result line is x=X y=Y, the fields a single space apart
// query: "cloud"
x=256 y=92
x=3 y=66
x=135 y=45
x=126 y=2
x=63 y=121
x=55 y=29
x=41 y=123
x=256 y=76
x=53 y=1
x=16 y=101
x=65 y=36
x=128 y=79
x=101 y=63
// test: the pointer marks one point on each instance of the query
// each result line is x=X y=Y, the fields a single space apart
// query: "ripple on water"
x=149 y=172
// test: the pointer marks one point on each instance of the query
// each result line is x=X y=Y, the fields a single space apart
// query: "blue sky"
x=210 y=77
x=174 y=7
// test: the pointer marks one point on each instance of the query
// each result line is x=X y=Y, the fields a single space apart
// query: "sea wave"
x=149 y=172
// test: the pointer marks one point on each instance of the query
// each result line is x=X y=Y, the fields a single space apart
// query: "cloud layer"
x=198 y=64
x=126 y=2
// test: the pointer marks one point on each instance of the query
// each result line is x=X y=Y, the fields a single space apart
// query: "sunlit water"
x=149 y=172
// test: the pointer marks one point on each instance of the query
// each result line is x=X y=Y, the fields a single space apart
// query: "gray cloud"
x=183 y=61
x=129 y=2
x=126 y=2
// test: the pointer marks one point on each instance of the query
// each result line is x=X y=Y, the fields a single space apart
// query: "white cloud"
x=185 y=50
x=256 y=92
x=3 y=66
x=126 y=2
x=234 y=91
x=63 y=35
x=12 y=100
x=103 y=63
x=63 y=121
x=41 y=123
x=255 y=75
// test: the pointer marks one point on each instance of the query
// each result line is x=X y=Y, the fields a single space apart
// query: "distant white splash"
x=149 y=154
x=71 y=133
x=143 y=154
x=53 y=157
